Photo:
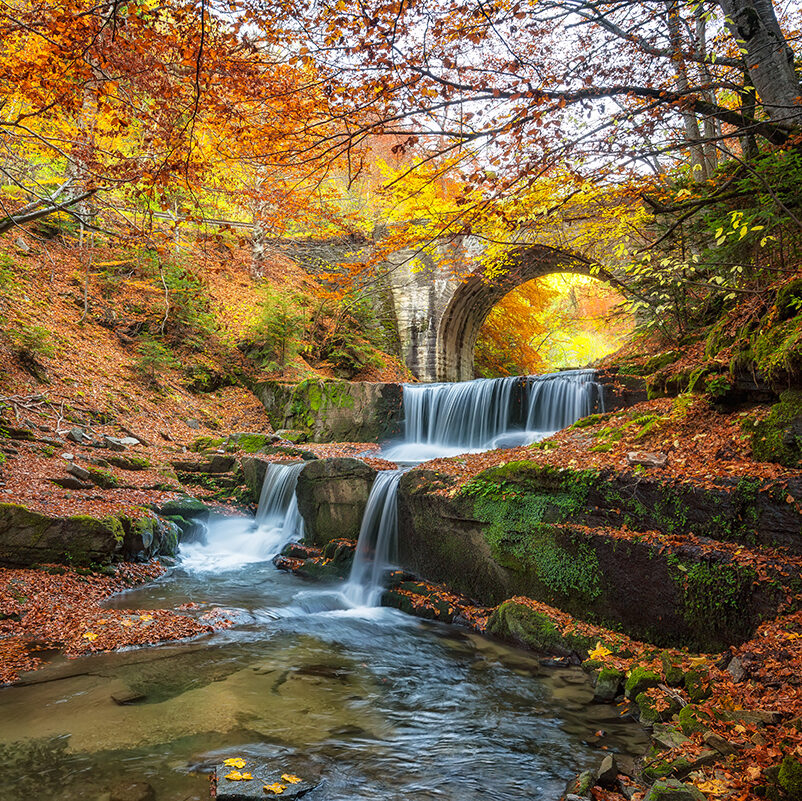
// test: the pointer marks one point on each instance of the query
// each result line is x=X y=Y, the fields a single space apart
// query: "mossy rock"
x=608 y=685
x=518 y=622
x=250 y=442
x=778 y=438
x=188 y=508
x=103 y=478
x=672 y=790
x=129 y=462
x=639 y=680
x=671 y=670
x=651 y=712
x=697 y=685
x=691 y=720
x=790 y=778
x=206 y=444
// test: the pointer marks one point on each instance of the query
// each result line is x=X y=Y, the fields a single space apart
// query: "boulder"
x=334 y=410
x=608 y=685
x=79 y=472
x=211 y=464
x=332 y=495
x=673 y=790
x=28 y=537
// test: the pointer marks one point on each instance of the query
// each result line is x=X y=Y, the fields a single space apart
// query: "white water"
x=376 y=546
x=232 y=542
x=473 y=416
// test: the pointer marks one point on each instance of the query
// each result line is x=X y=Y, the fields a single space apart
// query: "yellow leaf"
x=146 y=617
x=234 y=762
x=276 y=788
x=236 y=776
x=599 y=652
x=743 y=231
x=698 y=661
x=290 y=778
x=90 y=635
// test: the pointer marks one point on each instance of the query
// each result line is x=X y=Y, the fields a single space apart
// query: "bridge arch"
x=474 y=298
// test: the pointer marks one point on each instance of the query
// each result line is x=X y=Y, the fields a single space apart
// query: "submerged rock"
x=264 y=781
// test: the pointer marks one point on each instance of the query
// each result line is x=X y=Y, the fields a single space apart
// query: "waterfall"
x=376 y=547
x=278 y=506
x=233 y=542
x=447 y=419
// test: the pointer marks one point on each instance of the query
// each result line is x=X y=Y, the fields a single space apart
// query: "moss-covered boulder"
x=332 y=410
x=778 y=438
x=332 y=495
x=521 y=623
x=128 y=462
x=790 y=778
x=28 y=537
x=639 y=680
x=608 y=685
x=673 y=790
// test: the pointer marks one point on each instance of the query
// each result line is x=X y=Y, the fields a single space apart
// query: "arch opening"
x=475 y=298
x=552 y=323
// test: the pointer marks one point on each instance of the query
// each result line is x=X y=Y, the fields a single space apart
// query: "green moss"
x=205 y=444
x=128 y=462
x=777 y=349
x=778 y=438
x=713 y=597
x=697 y=684
x=649 y=711
x=103 y=478
x=639 y=680
x=517 y=621
x=587 y=422
x=790 y=778
x=690 y=720
x=251 y=443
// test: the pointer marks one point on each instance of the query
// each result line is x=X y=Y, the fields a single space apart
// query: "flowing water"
x=380 y=705
x=448 y=419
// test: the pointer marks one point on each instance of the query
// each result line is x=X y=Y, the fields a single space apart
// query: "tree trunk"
x=770 y=60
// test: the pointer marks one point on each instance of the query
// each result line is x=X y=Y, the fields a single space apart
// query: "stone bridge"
x=440 y=299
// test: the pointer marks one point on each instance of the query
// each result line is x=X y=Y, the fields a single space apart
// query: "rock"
x=22 y=245
x=192 y=423
x=70 y=482
x=114 y=444
x=332 y=495
x=691 y=720
x=214 y=463
x=333 y=410
x=608 y=773
x=654 y=710
x=248 y=441
x=697 y=684
x=672 y=671
x=79 y=472
x=718 y=744
x=130 y=441
x=673 y=790
x=608 y=685
x=736 y=670
x=264 y=775
x=639 y=680
x=292 y=435
x=581 y=785
x=790 y=777
x=129 y=462
x=127 y=696
x=68 y=456
x=78 y=435
x=668 y=736
x=646 y=459
x=189 y=508
x=132 y=791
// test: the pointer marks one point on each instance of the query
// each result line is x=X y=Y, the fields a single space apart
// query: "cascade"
x=232 y=542
x=376 y=546
x=446 y=419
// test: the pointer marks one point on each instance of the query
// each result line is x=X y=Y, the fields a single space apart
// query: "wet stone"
x=265 y=776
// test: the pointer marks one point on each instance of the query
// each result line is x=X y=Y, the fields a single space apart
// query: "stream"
x=324 y=683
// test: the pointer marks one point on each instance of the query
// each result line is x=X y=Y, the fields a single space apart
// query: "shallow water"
x=381 y=705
